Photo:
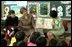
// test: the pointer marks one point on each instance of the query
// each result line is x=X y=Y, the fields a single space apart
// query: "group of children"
x=21 y=32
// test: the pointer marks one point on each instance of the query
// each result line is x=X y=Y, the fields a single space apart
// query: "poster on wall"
x=44 y=9
x=33 y=8
x=6 y=9
x=68 y=10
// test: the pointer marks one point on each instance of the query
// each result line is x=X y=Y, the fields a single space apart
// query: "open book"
x=39 y=23
x=44 y=23
x=48 y=23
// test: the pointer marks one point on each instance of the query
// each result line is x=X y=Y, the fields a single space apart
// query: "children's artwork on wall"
x=6 y=9
x=33 y=8
x=68 y=10
x=44 y=9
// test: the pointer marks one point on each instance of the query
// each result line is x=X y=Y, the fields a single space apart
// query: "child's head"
x=67 y=39
x=12 y=13
x=19 y=35
x=41 y=41
x=34 y=36
x=21 y=43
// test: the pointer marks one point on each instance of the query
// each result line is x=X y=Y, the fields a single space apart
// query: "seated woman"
x=58 y=28
x=26 y=23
